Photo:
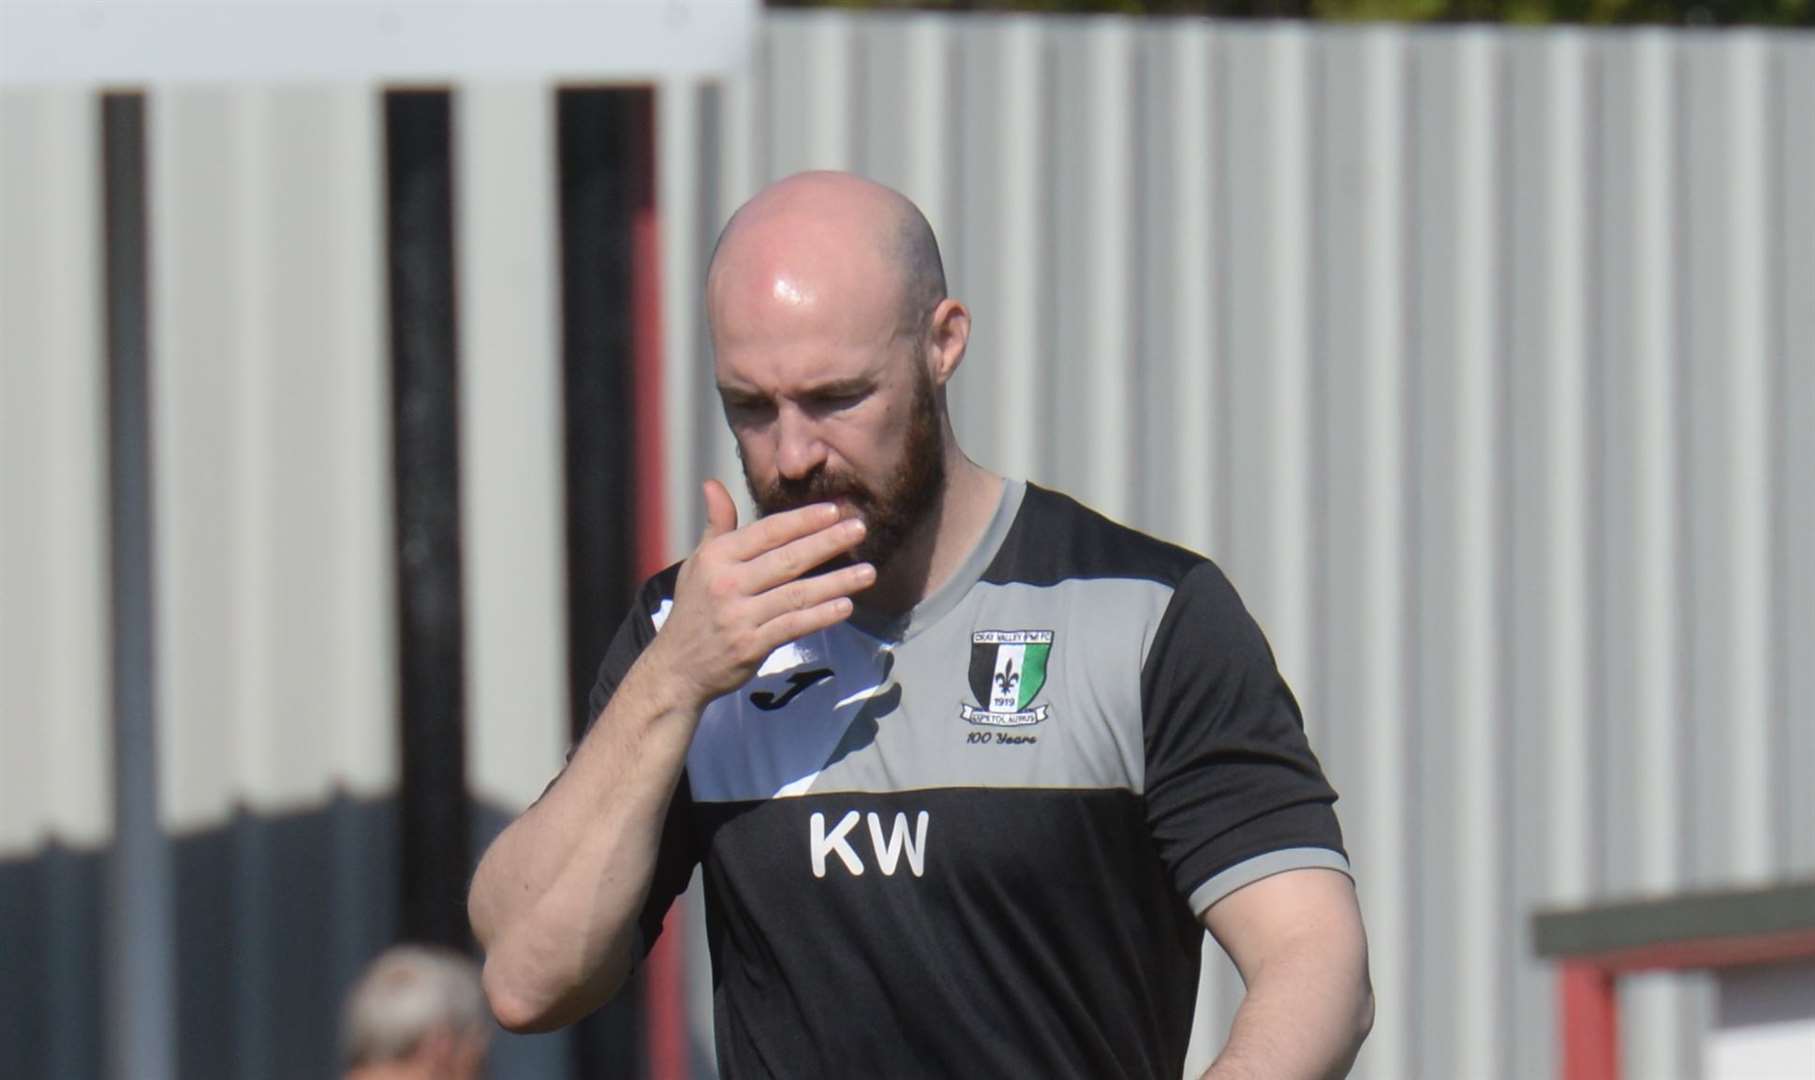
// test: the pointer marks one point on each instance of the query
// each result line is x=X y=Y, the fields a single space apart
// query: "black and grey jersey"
x=977 y=840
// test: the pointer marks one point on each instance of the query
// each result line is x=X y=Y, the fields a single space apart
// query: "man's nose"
x=800 y=451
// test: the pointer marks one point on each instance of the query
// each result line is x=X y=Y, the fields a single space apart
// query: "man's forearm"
x=1303 y=1018
x=555 y=899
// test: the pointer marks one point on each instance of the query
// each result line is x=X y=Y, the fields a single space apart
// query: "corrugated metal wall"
x=1483 y=361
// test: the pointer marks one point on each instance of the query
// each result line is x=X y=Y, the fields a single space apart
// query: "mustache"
x=787 y=494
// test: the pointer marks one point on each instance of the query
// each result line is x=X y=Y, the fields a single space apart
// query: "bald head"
x=838 y=244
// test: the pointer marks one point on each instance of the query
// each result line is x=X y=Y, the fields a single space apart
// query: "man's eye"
x=747 y=407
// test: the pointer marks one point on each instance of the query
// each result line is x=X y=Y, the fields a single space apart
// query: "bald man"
x=968 y=767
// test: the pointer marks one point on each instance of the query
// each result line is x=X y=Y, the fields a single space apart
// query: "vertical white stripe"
x=1658 y=649
x=1017 y=265
x=293 y=501
x=364 y=585
x=512 y=553
x=267 y=777
x=1480 y=934
x=1291 y=435
x=55 y=680
x=686 y=382
x=743 y=170
x=1749 y=287
x=829 y=44
x=929 y=116
x=1569 y=786
x=1384 y=881
x=1657 y=526
x=193 y=206
x=1109 y=132
x=1192 y=305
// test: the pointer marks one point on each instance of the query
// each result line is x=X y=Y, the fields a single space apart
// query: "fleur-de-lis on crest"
x=1007 y=678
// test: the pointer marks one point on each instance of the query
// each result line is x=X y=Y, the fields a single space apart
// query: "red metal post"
x=1591 y=1022
x=665 y=1041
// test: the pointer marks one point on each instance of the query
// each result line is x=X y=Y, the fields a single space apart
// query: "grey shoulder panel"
x=1016 y=686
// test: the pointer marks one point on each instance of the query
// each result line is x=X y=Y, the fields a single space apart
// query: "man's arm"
x=555 y=900
x=1297 y=939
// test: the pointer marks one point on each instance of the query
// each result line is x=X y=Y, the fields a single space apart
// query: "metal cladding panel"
x=513 y=549
x=1794 y=144
x=992 y=151
x=277 y=742
x=57 y=802
x=55 y=781
x=1477 y=359
x=275 y=618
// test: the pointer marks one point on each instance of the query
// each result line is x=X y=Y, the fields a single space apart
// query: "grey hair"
x=407 y=993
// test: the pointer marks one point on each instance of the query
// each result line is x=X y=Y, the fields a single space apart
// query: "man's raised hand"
x=741 y=594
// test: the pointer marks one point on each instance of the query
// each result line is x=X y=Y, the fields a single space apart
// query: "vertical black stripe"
x=598 y=204
x=141 y=991
x=419 y=177
x=598 y=196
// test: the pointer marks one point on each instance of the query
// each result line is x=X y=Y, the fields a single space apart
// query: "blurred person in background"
x=968 y=767
x=416 y=1013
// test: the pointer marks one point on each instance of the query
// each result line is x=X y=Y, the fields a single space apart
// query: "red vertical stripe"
x=646 y=328
x=664 y=998
x=1590 y=1019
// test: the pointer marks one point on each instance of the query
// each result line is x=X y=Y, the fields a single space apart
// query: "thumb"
x=721 y=512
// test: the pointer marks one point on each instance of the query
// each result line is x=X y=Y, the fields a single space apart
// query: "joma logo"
x=887 y=854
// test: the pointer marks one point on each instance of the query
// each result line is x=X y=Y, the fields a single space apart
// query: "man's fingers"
x=806 y=594
x=721 y=511
x=767 y=534
x=798 y=624
x=796 y=557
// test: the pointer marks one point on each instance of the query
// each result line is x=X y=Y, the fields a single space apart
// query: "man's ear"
x=950 y=335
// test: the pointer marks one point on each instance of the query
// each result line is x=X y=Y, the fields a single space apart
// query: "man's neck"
x=939 y=547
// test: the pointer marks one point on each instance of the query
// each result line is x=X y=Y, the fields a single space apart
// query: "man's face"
x=830 y=396
x=893 y=495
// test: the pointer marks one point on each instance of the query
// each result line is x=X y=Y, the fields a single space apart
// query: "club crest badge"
x=1008 y=670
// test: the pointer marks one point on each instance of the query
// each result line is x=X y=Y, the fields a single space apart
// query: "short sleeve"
x=676 y=856
x=1233 y=791
x=633 y=636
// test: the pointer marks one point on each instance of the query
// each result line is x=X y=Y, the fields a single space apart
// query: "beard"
x=890 y=512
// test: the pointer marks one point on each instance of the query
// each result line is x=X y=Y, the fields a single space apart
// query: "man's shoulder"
x=1057 y=538
x=656 y=593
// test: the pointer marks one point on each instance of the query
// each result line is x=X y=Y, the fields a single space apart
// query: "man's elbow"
x=523 y=1010
x=1364 y=1016
x=515 y=1011
x=1361 y=1022
x=528 y=1006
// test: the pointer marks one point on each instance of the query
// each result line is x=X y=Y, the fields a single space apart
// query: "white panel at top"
x=126 y=41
